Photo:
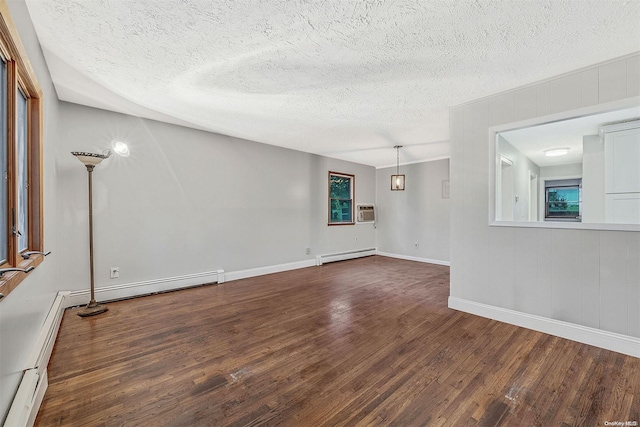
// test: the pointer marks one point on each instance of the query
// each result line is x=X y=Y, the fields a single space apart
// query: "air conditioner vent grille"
x=366 y=213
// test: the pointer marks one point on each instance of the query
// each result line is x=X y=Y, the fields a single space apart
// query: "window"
x=563 y=199
x=20 y=159
x=4 y=197
x=23 y=170
x=341 y=190
x=599 y=145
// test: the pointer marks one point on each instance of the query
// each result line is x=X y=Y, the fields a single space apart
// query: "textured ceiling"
x=345 y=79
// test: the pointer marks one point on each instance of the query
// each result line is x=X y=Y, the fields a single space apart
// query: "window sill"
x=567 y=225
x=10 y=281
x=340 y=223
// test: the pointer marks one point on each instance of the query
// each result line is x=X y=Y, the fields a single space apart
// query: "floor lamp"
x=91 y=160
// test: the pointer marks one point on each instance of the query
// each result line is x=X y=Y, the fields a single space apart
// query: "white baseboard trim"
x=129 y=290
x=259 y=271
x=414 y=258
x=596 y=337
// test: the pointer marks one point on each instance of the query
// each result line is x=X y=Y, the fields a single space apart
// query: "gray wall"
x=24 y=310
x=417 y=215
x=188 y=201
x=585 y=277
x=184 y=202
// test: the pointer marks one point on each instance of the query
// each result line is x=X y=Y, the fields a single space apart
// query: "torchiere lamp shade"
x=89 y=159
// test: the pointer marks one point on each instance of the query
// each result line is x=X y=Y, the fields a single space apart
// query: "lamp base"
x=92 y=309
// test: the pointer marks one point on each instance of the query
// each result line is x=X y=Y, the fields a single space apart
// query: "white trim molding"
x=434 y=159
x=259 y=271
x=414 y=258
x=596 y=337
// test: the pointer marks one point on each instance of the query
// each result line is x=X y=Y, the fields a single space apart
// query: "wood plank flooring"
x=362 y=342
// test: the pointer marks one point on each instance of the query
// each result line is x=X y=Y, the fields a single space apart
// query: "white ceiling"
x=342 y=79
x=533 y=141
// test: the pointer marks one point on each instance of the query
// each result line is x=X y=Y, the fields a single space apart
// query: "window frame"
x=562 y=184
x=493 y=131
x=352 y=178
x=21 y=77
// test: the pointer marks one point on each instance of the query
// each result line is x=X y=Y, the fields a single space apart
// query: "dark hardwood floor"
x=363 y=342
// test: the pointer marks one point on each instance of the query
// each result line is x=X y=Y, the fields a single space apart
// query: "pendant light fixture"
x=397 y=180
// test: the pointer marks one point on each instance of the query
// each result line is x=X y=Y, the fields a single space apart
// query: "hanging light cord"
x=397 y=147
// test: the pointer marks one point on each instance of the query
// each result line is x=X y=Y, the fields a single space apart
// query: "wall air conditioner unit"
x=366 y=213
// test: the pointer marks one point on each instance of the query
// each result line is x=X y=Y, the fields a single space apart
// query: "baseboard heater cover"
x=23 y=409
x=342 y=256
x=147 y=287
x=33 y=385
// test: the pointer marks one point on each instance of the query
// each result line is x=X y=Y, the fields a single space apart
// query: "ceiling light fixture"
x=397 y=180
x=555 y=152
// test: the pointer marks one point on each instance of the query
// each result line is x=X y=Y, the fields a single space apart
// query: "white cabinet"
x=622 y=174
x=623 y=208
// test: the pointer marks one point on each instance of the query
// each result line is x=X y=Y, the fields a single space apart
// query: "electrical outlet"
x=115 y=272
x=356 y=238
x=308 y=251
x=416 y=244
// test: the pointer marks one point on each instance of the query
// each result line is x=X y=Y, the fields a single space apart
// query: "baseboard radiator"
x=34 y=383
x=342 y=256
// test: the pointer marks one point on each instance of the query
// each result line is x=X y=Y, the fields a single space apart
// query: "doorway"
x=533 y=196
x=505 y=193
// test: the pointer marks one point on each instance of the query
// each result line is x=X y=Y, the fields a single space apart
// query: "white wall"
x=584 y=277
x=572 y=170
x=417 y=215
x=23 y=311
x=521 y=178
x=593 y=179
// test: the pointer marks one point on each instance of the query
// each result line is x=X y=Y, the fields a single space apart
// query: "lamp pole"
x=90 y=160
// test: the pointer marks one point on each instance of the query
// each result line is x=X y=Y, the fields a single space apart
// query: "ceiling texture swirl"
x=344 y=79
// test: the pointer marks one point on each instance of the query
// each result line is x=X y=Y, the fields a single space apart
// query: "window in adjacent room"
x=20 y=159
x=563 y=200
x=341 y=191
